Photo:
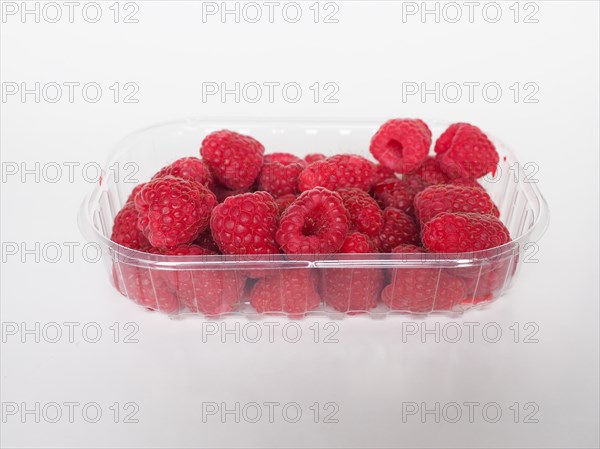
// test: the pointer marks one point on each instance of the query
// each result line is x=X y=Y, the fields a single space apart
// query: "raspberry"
x=284 y=201
x=206 y=241
x=316 y=223
x=125 y=231
x=352 y=290
x=399 y=228
x=135 y=191
x=408 y=249
x=357 y=242
x=211 y=292
x=336 y=172
x=222 y=192
x=314 y=157
x=146 y=287
x=234 y=159
x=430 y=173
x=279 y=174
x=464 y=151
x=173 y=211
x=246 y=224
x=190 y=168
x=450 y=198
x=465 y=183
x=486 y=285
x=463 y=232
x=395 y=193
x=188 y=250
x=365 y=214
x=401 y=144
x=291 y=291
x=382 y=173
x=421 y=290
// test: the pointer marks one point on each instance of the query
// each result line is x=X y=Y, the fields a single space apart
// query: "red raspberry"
x=222 y=192
x=125 y=230
x=464 y=151
x=401 y=144
x=135 y=191
x=246 y=224
x=395 y=193
x=206 y=241
x=336 y=172
x=291 y=291
x=429 y=173
x=465 y=183
x=146 y=287
x=352 y=290
x=357 y=242
x=188 y=250
x=450 y=198
x=279 y=174
x=211 y=292
x=234 y=159
x=173 y=211
x=365 y=214
x=463 y=232
x=316 y=223
x=382 y=173
x=408 y=249
x=485 y=286
x=399 y=228
x=314 y=157
x=421 y=290
x=190 y=168
x=284 y=201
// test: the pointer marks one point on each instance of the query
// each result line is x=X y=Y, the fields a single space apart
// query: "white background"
x=370 y=372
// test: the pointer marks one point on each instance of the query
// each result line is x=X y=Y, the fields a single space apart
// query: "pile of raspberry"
x=237 y=200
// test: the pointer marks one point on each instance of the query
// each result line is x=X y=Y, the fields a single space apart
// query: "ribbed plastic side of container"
x=332 y=285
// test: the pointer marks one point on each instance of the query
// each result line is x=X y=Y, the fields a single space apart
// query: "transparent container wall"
x=186 y=286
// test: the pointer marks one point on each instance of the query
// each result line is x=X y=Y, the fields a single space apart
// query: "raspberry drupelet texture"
x=315 y=223
x=246 y=224
x=395 y=193
x=428 y=174
x=353 y=290
x=279 y=174
x=421 y=290
x=314 y=157
x=365 y=214
x=206 y=241
x=357 y=242
x=464 y=151
x=401 y=144
x=292 y=291
x=190 y=168
x=125 y=230
x=173 y=211
x=399 y=228
x=284 y=201
x=211 y=292
x=463 y=232
x=382 y=173
x=451 y=198
x=336 y=172
x=234 y=159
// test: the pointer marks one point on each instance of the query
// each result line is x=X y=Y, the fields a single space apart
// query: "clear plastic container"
x=222 y=285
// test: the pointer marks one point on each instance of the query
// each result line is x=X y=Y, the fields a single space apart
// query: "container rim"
x=142 y=259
